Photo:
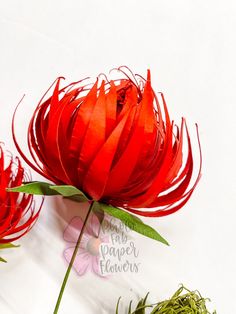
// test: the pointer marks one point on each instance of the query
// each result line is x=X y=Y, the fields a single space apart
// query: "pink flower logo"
x=88 y=256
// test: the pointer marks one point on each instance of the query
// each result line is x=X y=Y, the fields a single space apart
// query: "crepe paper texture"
x=115 y=142
x=184 y=301
x=17 y=210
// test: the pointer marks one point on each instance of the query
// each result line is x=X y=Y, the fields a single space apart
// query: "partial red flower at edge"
x=115 y=142
x=17 y=210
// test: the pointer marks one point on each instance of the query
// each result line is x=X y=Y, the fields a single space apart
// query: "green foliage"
x=36 y=188
x=133 y=222
x=71 y=192
x=6 y=246
x=183 y=301
x=2 y=260
x=43 y=188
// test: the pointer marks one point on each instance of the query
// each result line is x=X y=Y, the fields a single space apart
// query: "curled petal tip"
x=148 y=75
x=117 y=133
x=17 y=215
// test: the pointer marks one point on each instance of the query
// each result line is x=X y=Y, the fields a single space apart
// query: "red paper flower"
x=115 y=143
x=17 y=211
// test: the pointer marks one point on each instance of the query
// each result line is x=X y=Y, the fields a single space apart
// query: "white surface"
x=190 y=47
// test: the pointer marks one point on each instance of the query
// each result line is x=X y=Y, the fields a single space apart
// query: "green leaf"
x=141 y=307
x=130 y=307
x=2 y=260
x=117 y=305
x=133 y=222
x=184 y=301
x=44 y=188
x=7 y=246
x=36 y=188
x=69 y=191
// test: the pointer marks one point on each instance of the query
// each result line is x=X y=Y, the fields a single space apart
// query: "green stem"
x=72 y=261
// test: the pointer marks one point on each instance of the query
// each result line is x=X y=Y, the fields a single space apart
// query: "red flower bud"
x=17 y=211
x=115 y=142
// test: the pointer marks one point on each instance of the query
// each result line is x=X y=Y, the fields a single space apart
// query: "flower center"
x=93 y=246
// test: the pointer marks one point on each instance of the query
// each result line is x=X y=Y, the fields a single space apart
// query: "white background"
x=191 y=49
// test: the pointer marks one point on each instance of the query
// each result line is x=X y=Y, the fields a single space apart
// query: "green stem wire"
x=72 y=261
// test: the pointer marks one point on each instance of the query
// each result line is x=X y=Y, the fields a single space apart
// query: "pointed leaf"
x=139 y=309
x=36 y=188
x=2 y=260
x=69 y=191
x=44 y=188
x=117 y=305
x=145 y=299
x=133 y=222
x=7 y=245
x=130 y=307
